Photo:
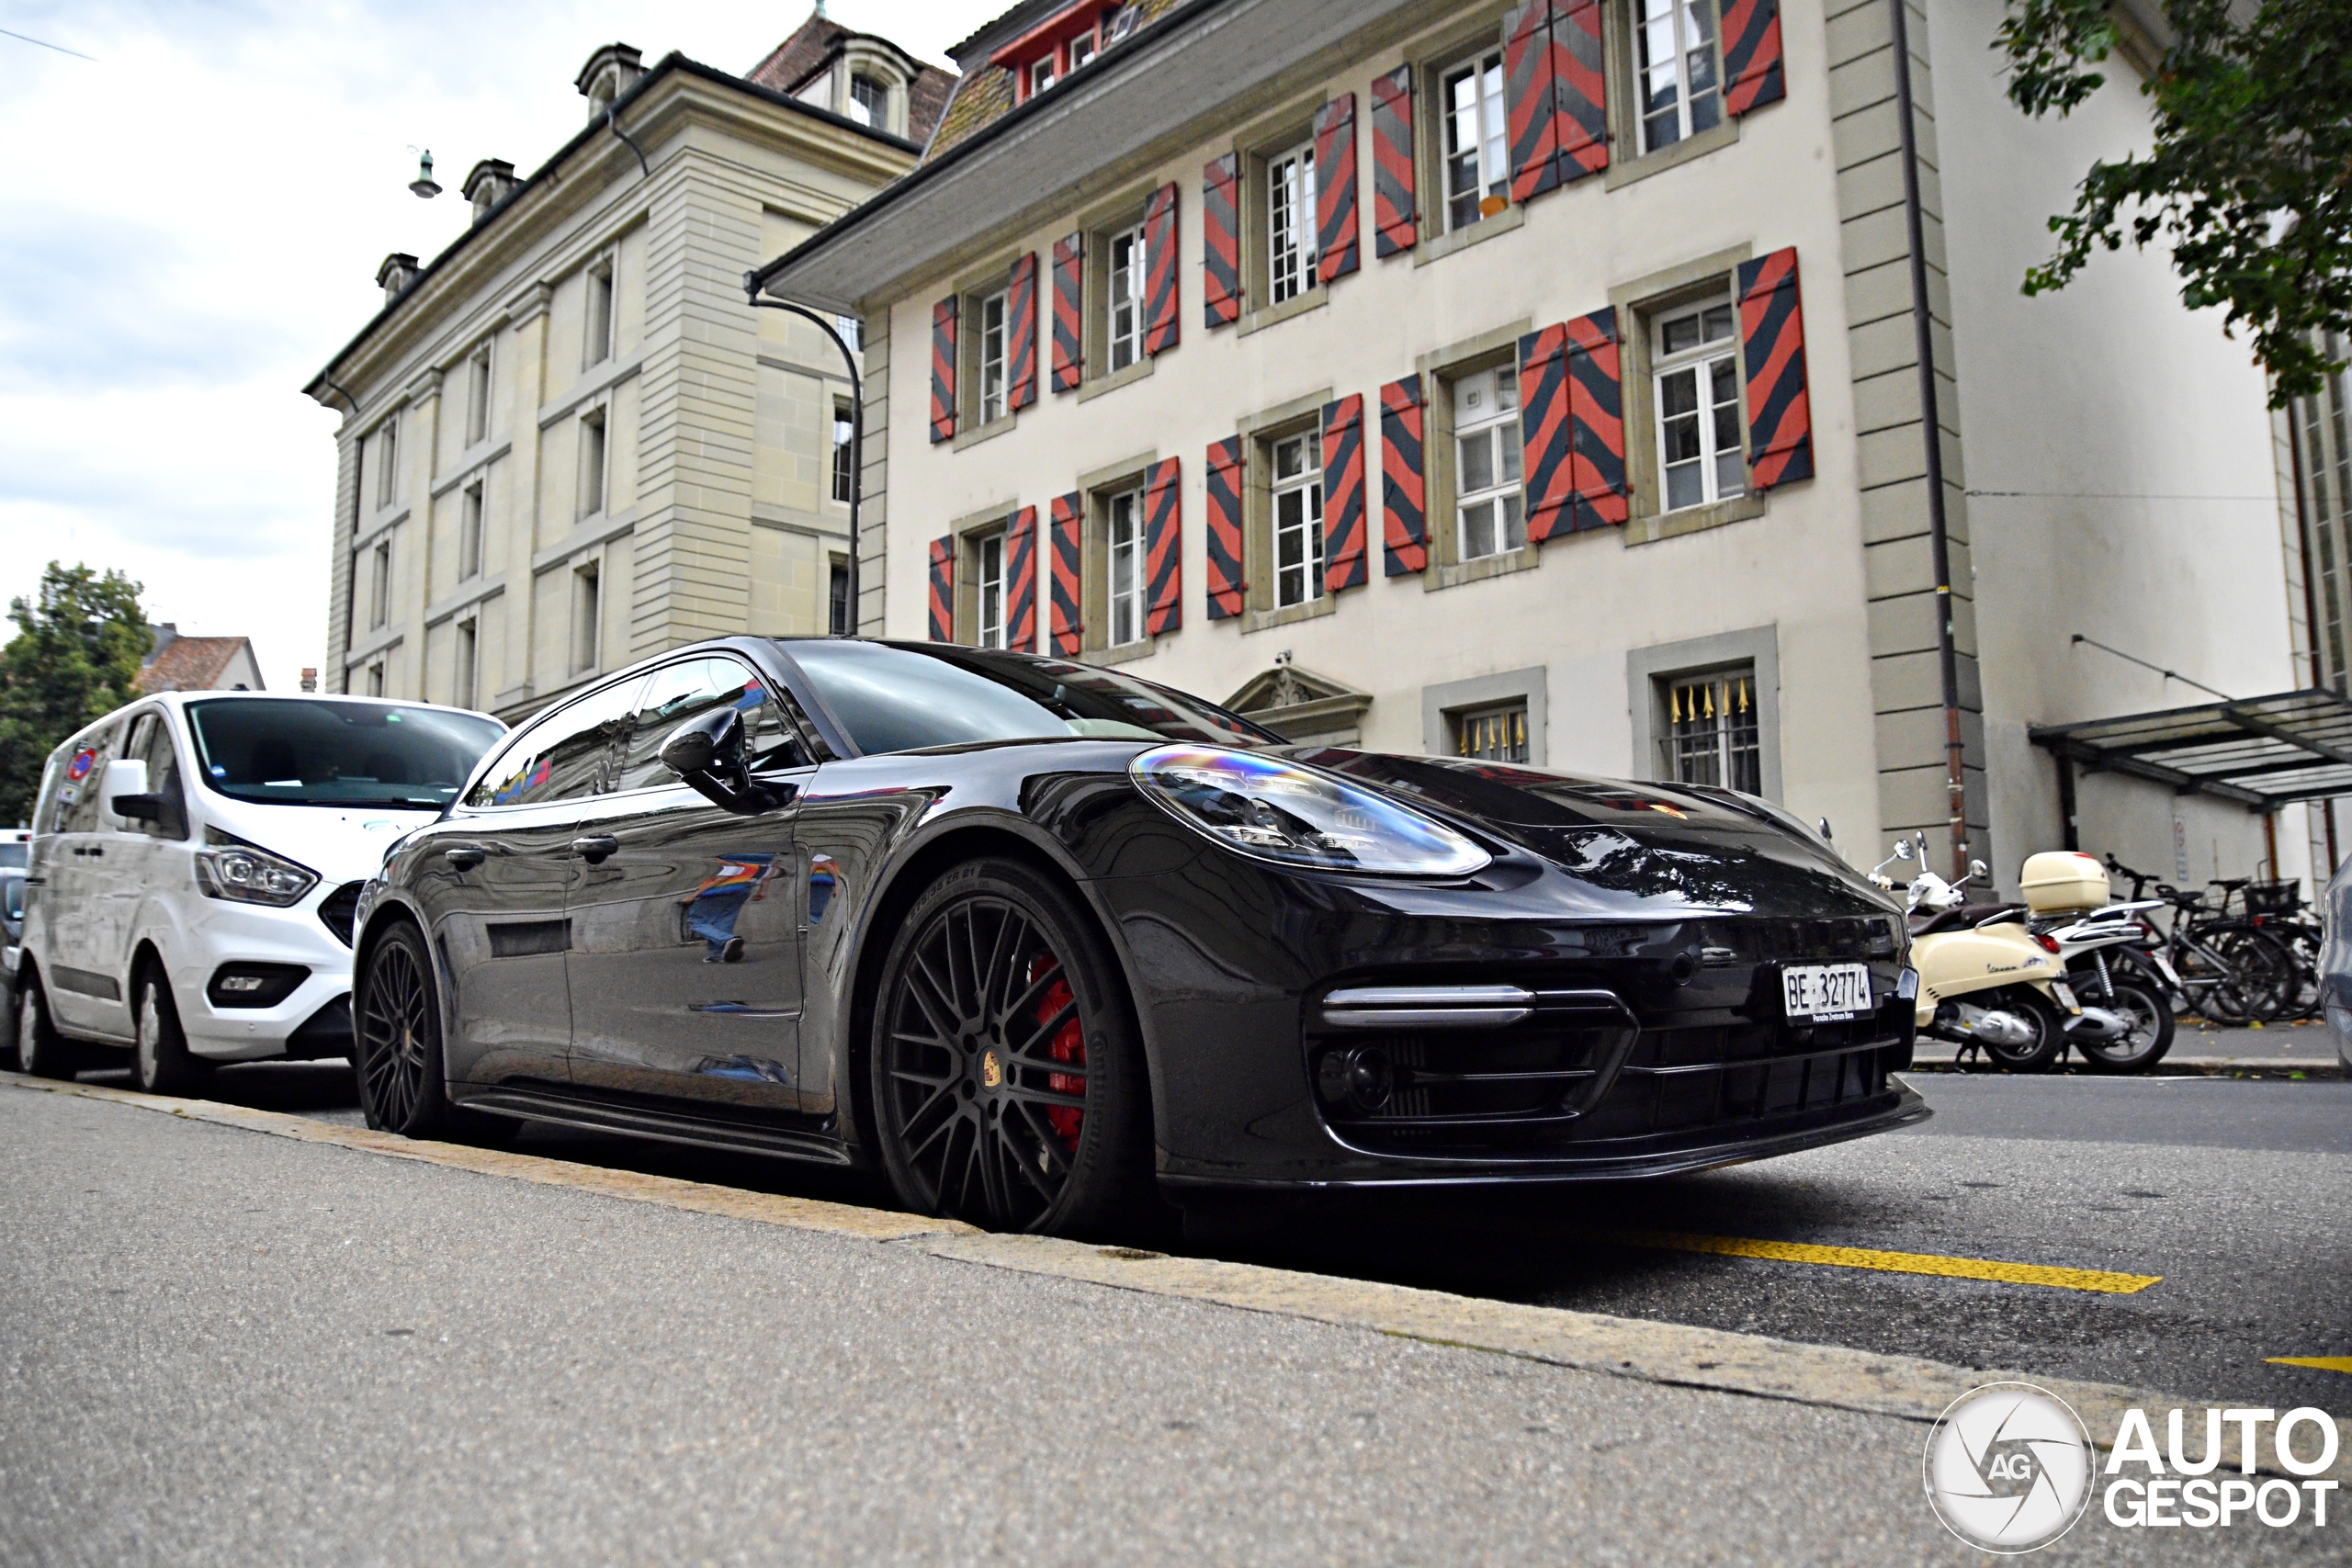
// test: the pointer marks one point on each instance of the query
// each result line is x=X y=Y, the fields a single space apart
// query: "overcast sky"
x=194 y=221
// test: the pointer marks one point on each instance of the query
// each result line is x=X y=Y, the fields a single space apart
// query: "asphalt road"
x=223 y=1348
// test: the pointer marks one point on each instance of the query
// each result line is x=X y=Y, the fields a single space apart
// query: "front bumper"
x=312 y=1021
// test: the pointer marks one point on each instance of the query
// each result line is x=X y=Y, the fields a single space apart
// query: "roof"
x=818 y=41
x=2263 y=753
x=190 y=663
x=984 y=94
x=672 y=64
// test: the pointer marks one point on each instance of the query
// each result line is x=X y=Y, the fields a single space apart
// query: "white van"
x=196 y=860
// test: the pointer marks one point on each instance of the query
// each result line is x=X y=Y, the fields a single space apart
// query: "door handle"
x=595 y=849
x=465 y=857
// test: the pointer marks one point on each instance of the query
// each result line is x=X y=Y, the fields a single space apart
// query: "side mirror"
x=1976 y=868
x=125 y=779
x=1901 y=849
x=1824 y=829
x=707 y=753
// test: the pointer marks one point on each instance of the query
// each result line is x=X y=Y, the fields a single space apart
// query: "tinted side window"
x=565 y=756
x=86 y=768
x=679 y=693
x=155 y=747
x=52 y=779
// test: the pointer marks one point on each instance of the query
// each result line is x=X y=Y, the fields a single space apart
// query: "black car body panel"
x=1644 y=926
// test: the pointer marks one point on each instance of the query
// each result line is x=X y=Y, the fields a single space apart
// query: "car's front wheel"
x=1008 y=1080
x=160 y=1062
x=397 y=1044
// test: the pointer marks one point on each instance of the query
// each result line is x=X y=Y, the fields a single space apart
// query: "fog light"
x=1361 y=1078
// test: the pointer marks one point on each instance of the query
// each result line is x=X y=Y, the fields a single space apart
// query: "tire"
x=160 y=1063
x=41 y=1051
x=396 y=1039
x=2262 y=983
x=2050 y=1031
x=8 y=1029
x=997 y=984
x=2151 y=1029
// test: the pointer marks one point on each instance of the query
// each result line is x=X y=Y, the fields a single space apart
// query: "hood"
x=341 y=843
x=1671 y=850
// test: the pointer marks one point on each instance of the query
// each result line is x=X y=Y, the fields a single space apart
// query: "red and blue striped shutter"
x=1335 y=188
x=943 y=368
x=1163 y=542
x=1070 y=260
x=943 y=590
x=1752 y=55
x=1404 y=491
x=1530 y=104
x=1543 y=426
x=1396 y=218
x=1221 y=240
x=1021 y=581
x=1222 y=511
x=1771 y=336
x=1343 y=521
x=1580 y=86
x=1063 y=625
x=1021 y=331
x=1159 y=247
x=1596 y=420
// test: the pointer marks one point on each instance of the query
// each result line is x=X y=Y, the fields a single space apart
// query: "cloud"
x=194 y=224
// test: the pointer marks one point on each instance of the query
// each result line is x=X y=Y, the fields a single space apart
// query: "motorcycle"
x=1985 y=982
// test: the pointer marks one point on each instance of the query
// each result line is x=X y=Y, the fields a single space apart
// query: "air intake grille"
x=341 y=907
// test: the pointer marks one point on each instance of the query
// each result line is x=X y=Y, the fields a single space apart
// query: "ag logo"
x=2008 y=1468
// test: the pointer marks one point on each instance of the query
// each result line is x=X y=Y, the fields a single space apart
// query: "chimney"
x=610 y=71
x=309 y=678
x=399 y=270
x=492 y=182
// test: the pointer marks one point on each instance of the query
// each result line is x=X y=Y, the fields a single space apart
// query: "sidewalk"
x=2279 y=1050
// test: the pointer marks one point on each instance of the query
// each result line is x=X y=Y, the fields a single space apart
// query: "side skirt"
x=640 y=1121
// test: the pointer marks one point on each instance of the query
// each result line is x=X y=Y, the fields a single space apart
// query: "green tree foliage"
x=2250 y=179
x=75 y=658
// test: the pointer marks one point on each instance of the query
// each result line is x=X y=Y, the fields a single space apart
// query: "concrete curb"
x=1907 y=1388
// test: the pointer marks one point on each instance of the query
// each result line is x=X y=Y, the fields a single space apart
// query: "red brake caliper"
x=1068 y=1045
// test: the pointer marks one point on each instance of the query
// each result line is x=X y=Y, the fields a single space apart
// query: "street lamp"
x=856 y=422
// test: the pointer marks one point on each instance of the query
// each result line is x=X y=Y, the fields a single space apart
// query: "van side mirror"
x=707 y=753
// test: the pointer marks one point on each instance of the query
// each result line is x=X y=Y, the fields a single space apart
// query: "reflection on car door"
x=83 y=993
x=507 y=867
x=686 y=956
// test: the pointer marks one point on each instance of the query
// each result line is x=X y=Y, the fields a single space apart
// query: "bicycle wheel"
x=2260 y=982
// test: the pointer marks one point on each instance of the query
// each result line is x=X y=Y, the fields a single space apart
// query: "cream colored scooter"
x=1985 y=982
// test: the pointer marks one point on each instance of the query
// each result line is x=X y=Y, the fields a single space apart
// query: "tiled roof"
x=189 y=664
x=815 y=44
x=984 y=93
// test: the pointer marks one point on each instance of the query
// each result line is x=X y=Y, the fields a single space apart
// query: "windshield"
x=325 y=753
x=12 y=857
x=894 y=697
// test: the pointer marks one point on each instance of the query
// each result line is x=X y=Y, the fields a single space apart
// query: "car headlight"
x=232 y=869
x=1276 y=810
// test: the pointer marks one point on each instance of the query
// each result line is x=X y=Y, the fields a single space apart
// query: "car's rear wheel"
x=1007 y=1081
x=160 y=1062
x=397 y=1039
x=41 y=1050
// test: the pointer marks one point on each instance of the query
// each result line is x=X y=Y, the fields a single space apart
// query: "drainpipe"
x=615 y=124
x=856 y=426
x=1932 y=426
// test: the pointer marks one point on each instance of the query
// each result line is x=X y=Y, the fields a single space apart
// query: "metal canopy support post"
x=857 y=426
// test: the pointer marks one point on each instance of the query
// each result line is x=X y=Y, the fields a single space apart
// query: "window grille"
x=1290 y=222
x=1497 y=735
x=1711 y=734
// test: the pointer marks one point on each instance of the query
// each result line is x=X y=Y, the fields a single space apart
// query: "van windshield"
x=324 y=752
x=12 y=857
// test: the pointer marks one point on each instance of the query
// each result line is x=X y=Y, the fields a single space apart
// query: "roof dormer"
x=610 y=71
x=399 y=270
x=1062 y=44
x=492 y=182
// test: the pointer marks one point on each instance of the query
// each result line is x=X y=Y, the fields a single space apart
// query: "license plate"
x=2065 y=995
x=1826 y=993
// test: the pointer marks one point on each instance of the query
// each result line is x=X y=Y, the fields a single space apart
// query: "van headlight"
x=1276 y=810
x=245 y=874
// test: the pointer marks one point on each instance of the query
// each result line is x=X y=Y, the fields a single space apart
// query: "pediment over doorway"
x=1303 y=707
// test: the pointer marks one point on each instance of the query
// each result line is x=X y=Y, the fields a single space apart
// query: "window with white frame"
x=1486 y=448
x=1130 y=276
x=461 y=678
x=853 y=332
x=598 y=334
x=870 y=102
x=478 y=396
x=591 y=463
x=1290 y=223
x=1696 y=375
x=587 y=616
x=1297 y=471
x=379 y=586
x=1677 y=70
x=1041 y=75
x=1495 y=735
x=992 y=358
x=388 y=442
x=470 y=506
x=1081 y=50
x=844 y=449
x=1127 y=584
x=1713 y=734
x=1477 y=138
x=989 y=632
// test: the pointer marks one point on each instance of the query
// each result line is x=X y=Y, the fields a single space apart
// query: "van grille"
x=339 y=909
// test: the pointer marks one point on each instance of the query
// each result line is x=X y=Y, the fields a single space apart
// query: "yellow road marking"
x=1890 y=1262
x=2324 y=1363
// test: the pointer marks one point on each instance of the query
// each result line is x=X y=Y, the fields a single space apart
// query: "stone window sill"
x=988 y=432
x=1625 y=172
x=1442 y=245
x=1095 y=387
x=1142 y=647
x=1289 y=615
x=1266 y=316
x=1454 y=574
x=1649 y=529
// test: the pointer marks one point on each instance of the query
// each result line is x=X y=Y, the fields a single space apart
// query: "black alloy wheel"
x=41 y=1051
x=2049 y=1031
x=1007 y=1081
x=160 y=1060
x=2141 y=1005
x=397 y=1039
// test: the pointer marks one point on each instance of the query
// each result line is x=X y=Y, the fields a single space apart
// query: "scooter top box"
x=2061 y=879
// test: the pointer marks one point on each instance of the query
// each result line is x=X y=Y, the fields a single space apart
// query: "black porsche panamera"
x=1038 y=938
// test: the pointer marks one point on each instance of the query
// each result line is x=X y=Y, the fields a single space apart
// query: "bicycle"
x=2221 y=965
